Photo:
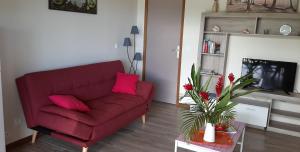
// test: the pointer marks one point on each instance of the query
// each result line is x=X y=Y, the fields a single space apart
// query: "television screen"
x=270 y=75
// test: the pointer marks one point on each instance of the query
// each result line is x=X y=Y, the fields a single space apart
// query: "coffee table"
x=203 y=147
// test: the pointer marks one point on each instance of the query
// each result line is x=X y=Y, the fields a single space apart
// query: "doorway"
x=163 y=45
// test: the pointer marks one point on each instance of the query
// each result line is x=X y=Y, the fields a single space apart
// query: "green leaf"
x=206 y=85
x=244 y=93
x=193 y=74
x=243 y=84
x=224 y=101
x=191 y=123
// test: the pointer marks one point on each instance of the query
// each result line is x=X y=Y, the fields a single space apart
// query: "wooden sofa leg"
x=144 y=119
x=84 y=149
x=34 y=135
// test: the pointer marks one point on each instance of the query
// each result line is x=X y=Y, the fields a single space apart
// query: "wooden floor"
x=158 y=136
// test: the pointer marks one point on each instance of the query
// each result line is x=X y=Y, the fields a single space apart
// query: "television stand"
x=283 y=113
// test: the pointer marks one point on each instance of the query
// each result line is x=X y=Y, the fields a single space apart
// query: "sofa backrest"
x=86 y=82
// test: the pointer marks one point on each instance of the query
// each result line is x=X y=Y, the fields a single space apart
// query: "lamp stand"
x=136 y=65
x=131 y=61
x=134 y=51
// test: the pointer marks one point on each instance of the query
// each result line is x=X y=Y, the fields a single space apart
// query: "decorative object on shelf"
x=81 y=6
x=285 y=30
x=215 y=7
x=127 y=44
x=217 y=49
x=263 y=6
x=212 y=47
x=213 y=72
x=137 y=58
x=210 y=108
x=246 y=31
x=216 y=28
x=266 y=31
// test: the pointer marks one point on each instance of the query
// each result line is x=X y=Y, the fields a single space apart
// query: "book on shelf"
x=210 y=47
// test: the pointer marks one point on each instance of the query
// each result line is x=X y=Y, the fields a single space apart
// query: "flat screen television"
x=270 y=75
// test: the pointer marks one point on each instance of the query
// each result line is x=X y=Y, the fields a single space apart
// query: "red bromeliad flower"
x=204 y=96
x=231 y=78
x=219 y=86
x=188 y=87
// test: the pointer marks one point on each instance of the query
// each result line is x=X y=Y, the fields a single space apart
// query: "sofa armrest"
x=145 y=90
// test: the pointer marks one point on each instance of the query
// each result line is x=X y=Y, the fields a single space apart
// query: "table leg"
x=242 y=142
x=176 y=144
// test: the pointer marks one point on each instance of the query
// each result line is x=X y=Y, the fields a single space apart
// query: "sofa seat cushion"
x=124 y=102
x=110 y=107
x=82 y=117
x=64 y=125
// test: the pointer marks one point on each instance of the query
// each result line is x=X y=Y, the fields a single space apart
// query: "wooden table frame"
x=201 y=148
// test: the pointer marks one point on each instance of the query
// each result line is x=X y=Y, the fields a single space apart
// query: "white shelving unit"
x=235 y=24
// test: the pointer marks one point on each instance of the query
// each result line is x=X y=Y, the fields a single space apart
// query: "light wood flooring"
x=158 y=135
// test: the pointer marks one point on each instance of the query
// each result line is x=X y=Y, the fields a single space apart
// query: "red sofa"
x=90 y=83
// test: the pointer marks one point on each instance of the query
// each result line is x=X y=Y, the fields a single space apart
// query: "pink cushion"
x=69 y=102
x=125 y=83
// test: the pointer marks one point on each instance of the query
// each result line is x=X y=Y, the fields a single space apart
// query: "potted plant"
x=211 y=109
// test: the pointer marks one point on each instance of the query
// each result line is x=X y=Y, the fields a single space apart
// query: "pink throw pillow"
x=69 y=102
x=126 y=83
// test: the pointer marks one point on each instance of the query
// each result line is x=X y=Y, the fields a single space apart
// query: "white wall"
x=140 y=36
x=33 y=38
x=263 y=48
x=2 y=134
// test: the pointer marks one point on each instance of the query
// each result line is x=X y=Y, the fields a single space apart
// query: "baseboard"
x=283 y=131
x=25 y=140
x=18 y=143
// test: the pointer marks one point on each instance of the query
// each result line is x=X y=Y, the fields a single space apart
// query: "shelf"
x=212 y=32
x=252 y=34
x=210 y=74
x=214 y=54
x=284 y=126
x=285 y=113
x=253 y=102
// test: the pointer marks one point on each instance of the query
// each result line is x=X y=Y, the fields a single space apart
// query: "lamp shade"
x=127 y=42
x=134 y=30
x=137 y=57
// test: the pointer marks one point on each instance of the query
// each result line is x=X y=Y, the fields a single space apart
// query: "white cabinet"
x=253 y=112
x=253 y=115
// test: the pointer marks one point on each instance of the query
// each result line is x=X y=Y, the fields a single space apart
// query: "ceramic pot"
x=209 y=134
